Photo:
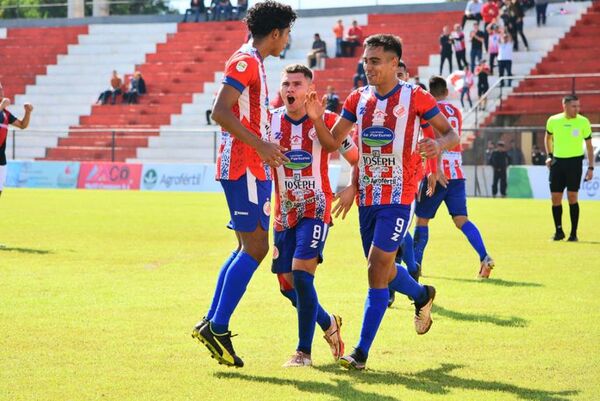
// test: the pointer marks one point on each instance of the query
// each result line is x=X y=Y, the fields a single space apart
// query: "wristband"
x=551 y=155
x=590 y=168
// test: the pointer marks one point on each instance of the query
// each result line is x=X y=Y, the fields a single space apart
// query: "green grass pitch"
x=99 y=291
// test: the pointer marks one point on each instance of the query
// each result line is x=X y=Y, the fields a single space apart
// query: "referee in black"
x=565 y=135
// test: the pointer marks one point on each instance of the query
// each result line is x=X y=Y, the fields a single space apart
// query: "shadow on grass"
x=587 y=242
x=341 y=389
x=441 y=381
x=25 y=250
x=490 y=281
x=512 y=321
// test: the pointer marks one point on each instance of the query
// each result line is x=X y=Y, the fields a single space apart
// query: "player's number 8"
x=317 y=230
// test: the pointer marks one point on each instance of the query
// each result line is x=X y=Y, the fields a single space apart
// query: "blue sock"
x=421 y=238
x=323 y=318
x=219 y=287
x=405 y=284
x=307 y=305
x=470 y=230
x=234 y=286
x=408 y=253
x=375 y=307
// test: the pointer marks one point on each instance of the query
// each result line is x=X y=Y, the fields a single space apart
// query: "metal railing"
x=497 y=91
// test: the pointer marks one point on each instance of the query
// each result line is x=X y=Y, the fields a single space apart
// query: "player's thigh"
x=573 y=175
x=427 y=206
x=284 y=246
x=456 y=198
x=249 y=203
x=366 y=219
x=311 y=235
x=391 y=224
x=557 y=176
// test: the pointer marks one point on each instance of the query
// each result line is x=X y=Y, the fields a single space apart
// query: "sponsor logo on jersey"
x=379 y=117
x=267 y=208
x=299 y=159
x=241 y=66
x=399 y=111
x=312 y=134
x=378 y=160
x=377 y=136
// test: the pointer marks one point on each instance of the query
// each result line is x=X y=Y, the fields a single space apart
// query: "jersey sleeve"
x=425 y=104
x=587 y=130
x=350 y=105
x=241 y=71
x=549 y=127
x=11 y=118
x=330 y=119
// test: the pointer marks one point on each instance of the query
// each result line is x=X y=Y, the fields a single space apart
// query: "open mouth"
x=291 y=99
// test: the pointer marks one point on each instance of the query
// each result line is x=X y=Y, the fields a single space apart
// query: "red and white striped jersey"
x=388 y=129
x=452 y=159
x=302 y=188
x=245 y=72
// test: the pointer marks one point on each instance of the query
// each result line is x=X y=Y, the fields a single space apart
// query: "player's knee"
x=460 y=221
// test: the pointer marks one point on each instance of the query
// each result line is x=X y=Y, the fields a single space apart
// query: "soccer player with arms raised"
x=303 y=199
x=245 y=154
x=450 y=189
x=388 y=115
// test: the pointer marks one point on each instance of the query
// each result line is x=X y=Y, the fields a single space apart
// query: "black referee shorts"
x=3 y=154
x=566 y=173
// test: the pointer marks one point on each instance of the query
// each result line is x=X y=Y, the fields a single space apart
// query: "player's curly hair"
x=263 y=17
x=390 y=43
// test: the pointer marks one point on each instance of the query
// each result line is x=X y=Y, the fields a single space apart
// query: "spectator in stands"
x=490 y=13
x=317 y=54
x=209 y=111
x=222 y=10
x=458 y=40
x=332 y=102
x=137 y=87
x=515 y=153
x=419 y=83
x=287 y=47
x=538 y=158
x=472 y=12
x=196 y=7
x=466 y=87
x=402 y=72
x=338 y=31
x=242 y=8
x=482 y=71
x=115 y=89
x=477 y=39
x=352 y=40
x=505 y=57
x=540 y=11
x=360 y=75
x=499 y=160
x=445 y=49
x=494 y=37
x=519 y=14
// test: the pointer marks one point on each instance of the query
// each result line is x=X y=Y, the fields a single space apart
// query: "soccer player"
x=7 y=119
x=449 y=189
x=388 y=115
x=303 y=199
x=565 y=134
x=241 y=109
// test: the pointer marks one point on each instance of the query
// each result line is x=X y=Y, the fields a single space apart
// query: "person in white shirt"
x=472 y=11
x=505 y=56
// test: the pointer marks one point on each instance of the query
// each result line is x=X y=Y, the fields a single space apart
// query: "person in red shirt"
x=388 y=115
x=352 y=40
x=7 y=119
x=244 y=168
x=489 y=12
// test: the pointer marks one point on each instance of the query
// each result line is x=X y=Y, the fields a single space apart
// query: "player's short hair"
x=264 y=17
x=390 y=43
x=402 y=64
x=299 y=68
x=437 y=86
x=569 y=98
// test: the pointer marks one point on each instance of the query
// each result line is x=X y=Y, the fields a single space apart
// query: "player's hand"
x=441 y=178
x=344 y=198
x=429 y=148
x=272 y=154
x=431 y=183
x=28 y=107
x=589 y=175
x=315 y=108
x=4 y=103
x=548 y=162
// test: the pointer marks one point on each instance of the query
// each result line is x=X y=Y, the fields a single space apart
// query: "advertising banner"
x=42 y=174
x=179 y=177
x=102 y=175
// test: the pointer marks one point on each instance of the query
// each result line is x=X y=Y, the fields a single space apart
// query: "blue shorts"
x=304 y=241
x=249 y=202
x=455 y=197
x=383 y=226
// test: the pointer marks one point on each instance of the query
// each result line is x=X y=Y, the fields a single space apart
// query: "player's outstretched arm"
x=315 y=109
x=24 y=123
x=448 y=138
x=222 y=113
